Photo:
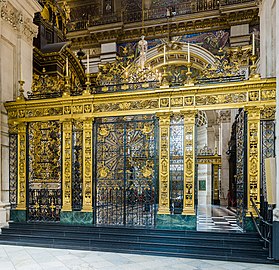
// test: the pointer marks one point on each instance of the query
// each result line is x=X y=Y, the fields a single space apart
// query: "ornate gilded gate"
x=126 y=169
x=44 y=171
x=241 y=166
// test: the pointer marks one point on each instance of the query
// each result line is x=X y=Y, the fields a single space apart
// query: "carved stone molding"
x=17 y=20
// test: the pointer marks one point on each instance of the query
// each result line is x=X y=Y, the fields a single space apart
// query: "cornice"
x=260 y=93
x=18 y=20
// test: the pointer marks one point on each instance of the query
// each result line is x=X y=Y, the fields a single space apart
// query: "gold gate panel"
x=253 y=95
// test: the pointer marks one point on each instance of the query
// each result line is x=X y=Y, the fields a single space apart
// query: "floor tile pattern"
x=34 y=258
x=216 y=219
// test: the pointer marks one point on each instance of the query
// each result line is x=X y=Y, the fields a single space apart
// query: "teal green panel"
x=76 y=218
x=249 y=225
x=202 y=185
x=176 y=222
x=18 y=215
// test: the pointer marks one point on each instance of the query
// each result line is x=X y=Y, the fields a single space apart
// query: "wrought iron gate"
x=241 y=165
x=13 y=170
x=267 y=150
x=125 y=166
x=44 y=171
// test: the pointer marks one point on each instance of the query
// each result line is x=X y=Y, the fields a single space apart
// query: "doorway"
x=216 y=188
x=126 y=169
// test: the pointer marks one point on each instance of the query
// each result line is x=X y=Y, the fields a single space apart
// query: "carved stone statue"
x=142 y=48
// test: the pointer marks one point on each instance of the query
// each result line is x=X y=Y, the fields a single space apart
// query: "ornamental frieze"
x=221 y=99
x=127 y=105
x=16 y=19
x=232 y=95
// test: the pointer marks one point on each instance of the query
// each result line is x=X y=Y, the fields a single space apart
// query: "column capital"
x=253 y=111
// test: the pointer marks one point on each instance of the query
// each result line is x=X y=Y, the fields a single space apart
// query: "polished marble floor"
x=214 y=218
x=34 y=258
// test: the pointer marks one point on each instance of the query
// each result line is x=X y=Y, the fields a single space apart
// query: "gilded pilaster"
x=67 y=166
x=87 y=165
x=189 y=162
x=21 y=196
x=164 y=162
x=253 y=156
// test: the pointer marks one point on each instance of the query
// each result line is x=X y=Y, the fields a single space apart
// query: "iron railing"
x=264 y=226
x=126 y=17
x=234 y=2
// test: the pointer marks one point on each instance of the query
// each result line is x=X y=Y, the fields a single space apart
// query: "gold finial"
x=67 y=91
x=189 y=80
x=164 y=82
x=21 y=91
x=253 y=74
x=88 y=83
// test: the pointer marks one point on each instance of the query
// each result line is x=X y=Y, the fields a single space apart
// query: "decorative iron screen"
x=13 y=169
x=126 y=171
x=44 y=171
x=241 y=163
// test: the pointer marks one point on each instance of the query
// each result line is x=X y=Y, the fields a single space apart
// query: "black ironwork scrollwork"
x=77 y=165
x=126 y=169
x=241 y=163
x=13 y=170
x=44 y=171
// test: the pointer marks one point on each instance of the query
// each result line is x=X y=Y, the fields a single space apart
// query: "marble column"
x=268 y=30
x=225 y=133
x=204 y=196
x=16 y=50
x=276 y=210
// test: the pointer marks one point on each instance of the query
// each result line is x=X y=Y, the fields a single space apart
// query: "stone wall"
x=16 y=46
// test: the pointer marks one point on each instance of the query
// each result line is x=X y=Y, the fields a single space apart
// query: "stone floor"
x=33 y=258
x=213 y=218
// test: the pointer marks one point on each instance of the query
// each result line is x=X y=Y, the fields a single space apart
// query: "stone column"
x=267 y=13
x=16 y=49
x=275 y=240
x=189 y=163
x=108 y=52
x=164 y=163
x=216 y=181
x=67 y=166
x=225 y=133
x=240 y=35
